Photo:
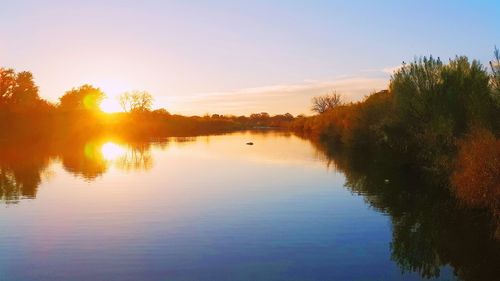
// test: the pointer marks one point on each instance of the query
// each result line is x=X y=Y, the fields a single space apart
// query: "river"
x=214 y=208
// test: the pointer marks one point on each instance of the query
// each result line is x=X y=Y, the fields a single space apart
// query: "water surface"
x=213 y=208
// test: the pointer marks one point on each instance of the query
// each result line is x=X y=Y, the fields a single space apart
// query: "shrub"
x=476 y=181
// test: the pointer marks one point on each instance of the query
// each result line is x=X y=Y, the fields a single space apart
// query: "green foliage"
x=414 y=87
x=429 y=229
x=437 y=103
x=426 y=118
x=428 y=107
x=467 y=94
x=427 y=90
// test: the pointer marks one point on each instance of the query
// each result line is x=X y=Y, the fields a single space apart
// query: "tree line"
x=442 y=118
x=24 y=114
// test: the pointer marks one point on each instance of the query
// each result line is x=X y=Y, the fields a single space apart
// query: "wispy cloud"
x=293 y=98
x=391 y=69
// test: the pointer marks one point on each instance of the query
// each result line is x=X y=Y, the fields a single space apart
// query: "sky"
x=236 y=57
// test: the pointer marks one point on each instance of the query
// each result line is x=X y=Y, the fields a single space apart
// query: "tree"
x=414 y=87
x=436 y=103
x=161 y=111
x=136 y=101
x=428 y=94
x=18 y=90
x=25 y=92
x=324 y=103
x=7 y=83
x=85 y=97
x=467 y=98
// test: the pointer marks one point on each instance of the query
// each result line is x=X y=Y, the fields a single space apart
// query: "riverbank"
x=440 y=119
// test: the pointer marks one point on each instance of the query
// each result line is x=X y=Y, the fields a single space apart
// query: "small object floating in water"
x=386 y=181
x=249 y=143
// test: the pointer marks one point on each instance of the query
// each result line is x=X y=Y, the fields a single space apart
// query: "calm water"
x=213 y=208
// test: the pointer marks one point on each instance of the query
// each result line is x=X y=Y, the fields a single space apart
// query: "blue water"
x=206 y=208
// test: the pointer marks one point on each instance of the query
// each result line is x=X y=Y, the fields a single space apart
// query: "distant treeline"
x=24 y=114
x=441 y=118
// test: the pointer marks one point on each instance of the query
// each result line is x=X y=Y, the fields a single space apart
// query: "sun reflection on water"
x=111 y=151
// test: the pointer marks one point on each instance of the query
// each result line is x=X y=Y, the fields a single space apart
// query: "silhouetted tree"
x=85 y=97
x=25 y=92
x=324 y=103
x=136 y=101
x=7 y=83
x=19 y=93
x=260 y=119
x=161 y=111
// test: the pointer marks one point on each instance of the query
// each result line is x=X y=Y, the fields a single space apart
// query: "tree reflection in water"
x=84 y=159
x=23 y=165
x=430 y=228
x=136 y=156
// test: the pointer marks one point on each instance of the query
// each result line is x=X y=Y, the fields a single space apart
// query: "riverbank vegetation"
x=78 y=114
x=440 y=118
x=429 y=229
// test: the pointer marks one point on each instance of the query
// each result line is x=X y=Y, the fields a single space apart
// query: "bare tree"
x=136 y=101
x=324 y=103
x=125 y=101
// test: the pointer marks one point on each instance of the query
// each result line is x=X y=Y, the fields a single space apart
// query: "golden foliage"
x=476 y=180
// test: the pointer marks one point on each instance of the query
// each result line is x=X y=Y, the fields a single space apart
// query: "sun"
x=109 y=105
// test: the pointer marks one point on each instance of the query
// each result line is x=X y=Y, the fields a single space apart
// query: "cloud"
x=391 y=69
x=293 y=98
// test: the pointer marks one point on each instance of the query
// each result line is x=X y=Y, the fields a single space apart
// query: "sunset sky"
x=236 y=57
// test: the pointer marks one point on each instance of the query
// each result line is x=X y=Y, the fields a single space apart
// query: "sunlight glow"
x=110 y=105
x=111 y=151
